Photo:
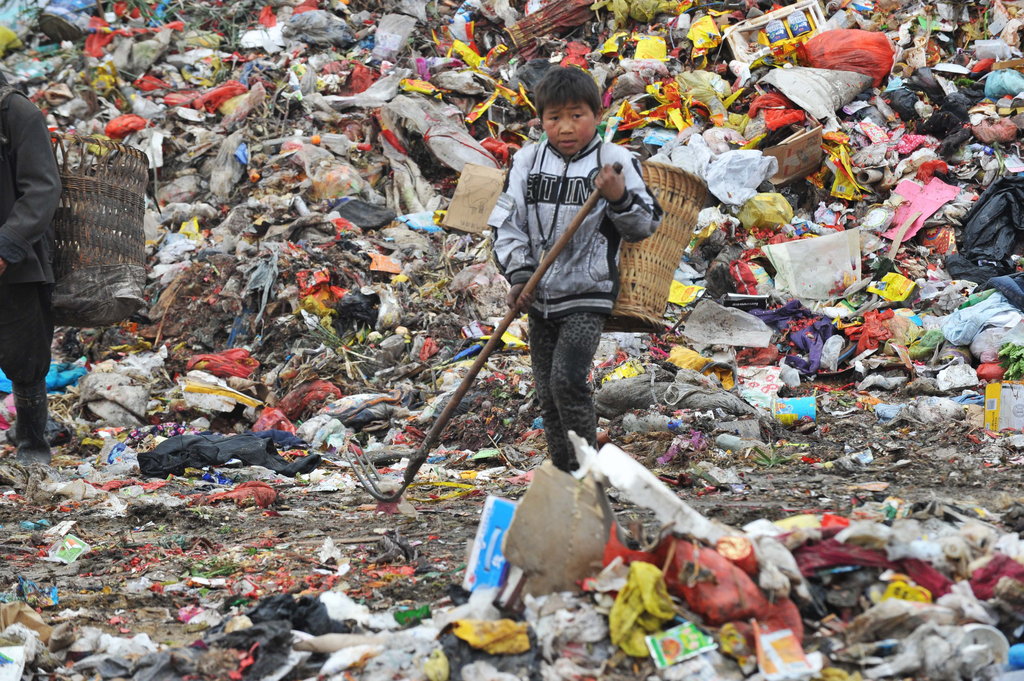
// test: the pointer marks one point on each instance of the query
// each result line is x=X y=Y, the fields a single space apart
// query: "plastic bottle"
x=992 y=49
x=650 y=423
x=830 y=353
x=1016 y=661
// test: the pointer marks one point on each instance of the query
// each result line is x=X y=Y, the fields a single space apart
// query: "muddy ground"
x=156 y=567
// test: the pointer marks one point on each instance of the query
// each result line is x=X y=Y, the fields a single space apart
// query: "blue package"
x=487 y=566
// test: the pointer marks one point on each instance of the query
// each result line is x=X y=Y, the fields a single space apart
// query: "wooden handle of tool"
x=563 y=240
x=442 y=420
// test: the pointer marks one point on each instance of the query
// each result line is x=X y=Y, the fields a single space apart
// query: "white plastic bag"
x=734 y=176
x=817 y=268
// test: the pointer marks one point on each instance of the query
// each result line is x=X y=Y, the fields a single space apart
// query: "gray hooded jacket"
x=543 y=193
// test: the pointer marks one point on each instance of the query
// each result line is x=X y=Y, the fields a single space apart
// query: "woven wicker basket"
x=646 y=267
x=100 y=243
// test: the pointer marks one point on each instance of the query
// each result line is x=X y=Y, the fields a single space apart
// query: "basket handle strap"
x=58 y=143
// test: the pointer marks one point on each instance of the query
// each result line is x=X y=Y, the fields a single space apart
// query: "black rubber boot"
x=30 y=426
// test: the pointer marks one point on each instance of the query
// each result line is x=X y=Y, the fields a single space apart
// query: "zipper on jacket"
x=554 y=215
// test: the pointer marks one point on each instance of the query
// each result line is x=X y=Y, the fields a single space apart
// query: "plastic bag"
x=393 y=30
x=272 y=418
x=694 y=156
x=297 y=402
x=993 y=131
x=389 y=314
x=122 y=126
x=819 y=92
x=100 y=295
x=643 y=11
x=734 y=176
x=443 y=130
x=707 y=88
x=234 y=362
x=817 y=268
x=924 y=347
x=319 y=27
x=985 y=346
x=961 y=327
x=1004 y=83
x=989 y=232
x=867 y=52
x=331 y=181
x=227 y=170
x=766 y=210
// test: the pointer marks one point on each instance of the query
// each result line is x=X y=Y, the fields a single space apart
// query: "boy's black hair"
x=563 y=85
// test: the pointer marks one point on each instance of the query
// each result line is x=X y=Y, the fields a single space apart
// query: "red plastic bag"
x=713 y=586
x=122 y=126
x=850 y=49
x=212 y=100
x=252 y=492
x=234 y=362
x=297 y=401
x=273 y=418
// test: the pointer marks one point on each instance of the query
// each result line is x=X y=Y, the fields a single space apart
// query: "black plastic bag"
x=99 y=295
x=364 y=215
x=990 y=232
x=902 y=102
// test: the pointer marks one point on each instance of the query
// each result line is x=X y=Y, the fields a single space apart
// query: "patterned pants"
x=562 y=351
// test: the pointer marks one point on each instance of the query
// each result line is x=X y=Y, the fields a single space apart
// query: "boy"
x=546 y=187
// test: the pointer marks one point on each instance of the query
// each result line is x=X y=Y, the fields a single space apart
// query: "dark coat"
x=29 y=193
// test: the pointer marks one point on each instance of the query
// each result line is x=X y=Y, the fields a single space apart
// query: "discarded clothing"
x=807 y=337
x=174 y=454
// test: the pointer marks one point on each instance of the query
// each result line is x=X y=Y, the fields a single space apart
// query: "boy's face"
x=569 y=127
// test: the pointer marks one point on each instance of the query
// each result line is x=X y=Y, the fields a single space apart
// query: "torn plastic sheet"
x=819 y=92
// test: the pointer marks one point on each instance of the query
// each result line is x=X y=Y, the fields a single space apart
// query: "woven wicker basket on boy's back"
x=646 y=268
x=100 y=259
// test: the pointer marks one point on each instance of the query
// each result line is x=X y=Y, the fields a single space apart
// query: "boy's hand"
x=513 y=298
x=611 y=184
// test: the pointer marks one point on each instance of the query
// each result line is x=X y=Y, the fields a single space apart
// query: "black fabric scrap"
x=174 y=454
x=275 y=641
x=305 y=614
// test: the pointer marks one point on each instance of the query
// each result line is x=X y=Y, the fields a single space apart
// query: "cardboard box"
x=478 y=190
x=487 y=565
x=560 y=531
x=1004 y=405
x=743 y=37
x=1008 y=64
x=799 y=155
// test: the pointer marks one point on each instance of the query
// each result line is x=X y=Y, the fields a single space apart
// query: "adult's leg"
x=26 y=332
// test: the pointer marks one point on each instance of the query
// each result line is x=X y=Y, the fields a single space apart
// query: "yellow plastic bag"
x=498 y=637
x=685 y=358
x=437 y=667
x=681 y=294
x=893 y=286
x=8 y=40
x=707 y=88
x=643 y=11
x=766 y=210
x=651 y=47
x=704 y=34
x=641 y=608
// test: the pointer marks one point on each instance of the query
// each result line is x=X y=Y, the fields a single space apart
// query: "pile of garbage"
x=320 y=277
